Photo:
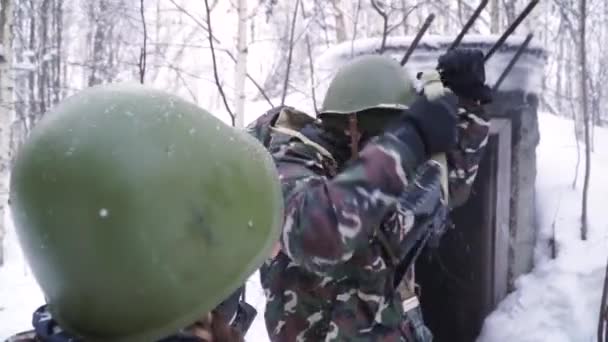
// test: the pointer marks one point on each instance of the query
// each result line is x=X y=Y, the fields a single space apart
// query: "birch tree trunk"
x=339 y=18
x=6 y=112
x=494 y=17
x=241 y=64
x=584 y=98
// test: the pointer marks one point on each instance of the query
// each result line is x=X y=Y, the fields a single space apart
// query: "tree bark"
x=585 y=110
x=57 y=81
x=42 y=56
x=405 y=13
x=289 y=55
x=495 y=17
x=6 y=111
x=241 y=64
x=339 y=18
x=98 y=42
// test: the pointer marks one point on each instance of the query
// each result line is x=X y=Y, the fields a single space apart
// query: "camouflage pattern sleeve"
x=327 y=220
x=463 y=161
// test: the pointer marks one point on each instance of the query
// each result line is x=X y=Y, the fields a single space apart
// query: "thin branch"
x=142 y=55
x=217 y=78
x=406 y=15
x=256 y=84
x=196 y=21
x=355 y=23
x=384 y=16
x=312 y=74
x=212 y=37
x=310 y=63
x=181 y=78
x=293 y=30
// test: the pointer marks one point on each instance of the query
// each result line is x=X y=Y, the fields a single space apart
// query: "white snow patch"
x=103 y=212
x=559 y=300
x=19 y=292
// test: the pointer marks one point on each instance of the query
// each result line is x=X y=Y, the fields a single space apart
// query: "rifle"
x=416 y=40
x=455 y=43
x=468 y=24
x=430 y=209
x=511 y=28
x=422 y=201
x=441 y=157
x=512 y=62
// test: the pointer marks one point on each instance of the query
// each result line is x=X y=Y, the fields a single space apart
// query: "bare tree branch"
x=406 y=14
x=293 y=29
x=143 y=53
x=179 y=75
x=195 y=20
x=310 y=63
x=212 y=37
x=384 y=16
x=256 y=84
x=217 y=78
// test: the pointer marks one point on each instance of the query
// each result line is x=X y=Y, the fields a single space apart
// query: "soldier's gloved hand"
x=463 y=71
x=435 y=120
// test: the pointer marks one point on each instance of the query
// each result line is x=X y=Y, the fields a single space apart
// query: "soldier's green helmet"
x=368 y=82
x=139 y=212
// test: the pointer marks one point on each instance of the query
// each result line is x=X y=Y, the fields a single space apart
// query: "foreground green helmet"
x=366 y=82
x=138 y=212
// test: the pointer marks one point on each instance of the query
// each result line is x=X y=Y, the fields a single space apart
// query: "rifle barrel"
x=416 y=40
x=512 y=62
x=468 y=24
x=510 y=29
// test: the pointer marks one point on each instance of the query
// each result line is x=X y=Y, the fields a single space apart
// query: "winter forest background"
x=59 y=47
x=53 y=48
x=261 y=52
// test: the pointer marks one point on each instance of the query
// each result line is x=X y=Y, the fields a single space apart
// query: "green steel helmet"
x=367 y=82
x=133 y=208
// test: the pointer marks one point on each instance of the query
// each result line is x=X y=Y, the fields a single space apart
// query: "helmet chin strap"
x=355 y=136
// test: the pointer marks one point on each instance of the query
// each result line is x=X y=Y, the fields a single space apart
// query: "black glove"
x=434 y=120
x=463 y=72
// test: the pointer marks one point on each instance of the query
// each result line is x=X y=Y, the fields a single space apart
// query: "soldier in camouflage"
x=344 y=176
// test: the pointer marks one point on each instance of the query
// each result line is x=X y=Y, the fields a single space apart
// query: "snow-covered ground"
x=558 y=301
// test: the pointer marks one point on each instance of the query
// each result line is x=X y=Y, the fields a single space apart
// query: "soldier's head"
x=366 y=94
x=130 y=203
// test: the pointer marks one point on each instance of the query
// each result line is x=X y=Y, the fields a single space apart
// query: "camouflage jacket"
x=332 y=280
x=47 y=329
